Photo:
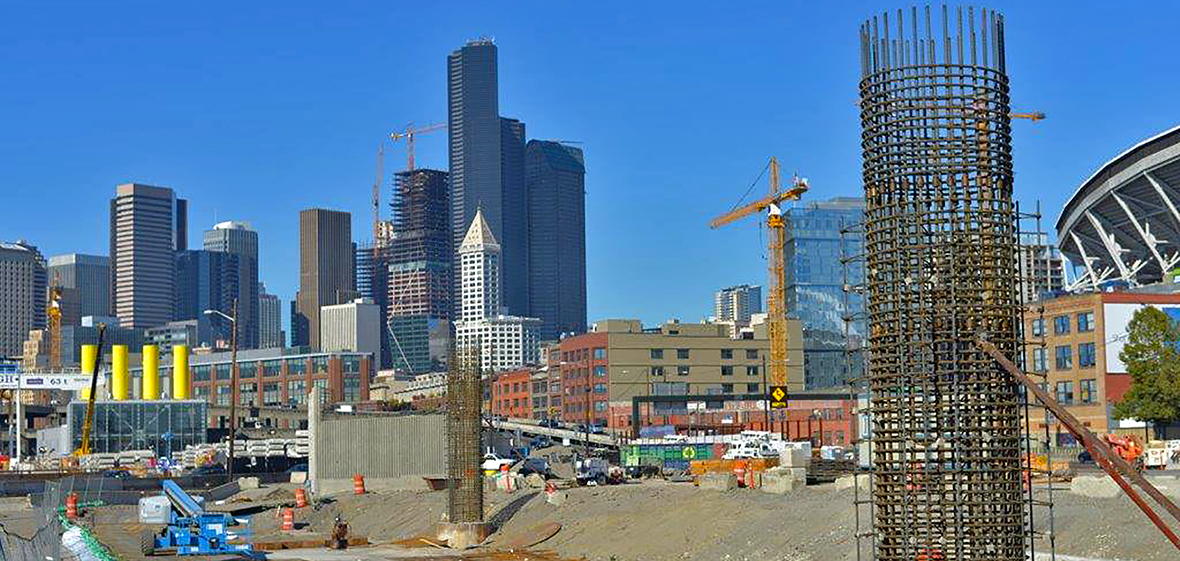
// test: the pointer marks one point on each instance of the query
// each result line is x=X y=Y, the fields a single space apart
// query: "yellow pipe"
x=89 y=357
x=120 y=375
x=150 y=384
x=180 y=372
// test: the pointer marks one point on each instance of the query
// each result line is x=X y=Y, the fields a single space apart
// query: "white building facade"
x=351 y=327
x=505 y=341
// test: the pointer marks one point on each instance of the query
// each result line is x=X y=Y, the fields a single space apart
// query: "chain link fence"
x=54 y=538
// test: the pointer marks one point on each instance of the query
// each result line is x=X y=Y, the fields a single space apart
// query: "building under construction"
x=941 y=249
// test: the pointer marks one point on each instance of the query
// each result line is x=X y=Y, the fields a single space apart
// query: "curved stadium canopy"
x=1123 y=223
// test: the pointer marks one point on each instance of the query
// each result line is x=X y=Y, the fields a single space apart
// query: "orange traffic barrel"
x=288 y=519
x=358 y=484
x=72 y=506
x=300 y=498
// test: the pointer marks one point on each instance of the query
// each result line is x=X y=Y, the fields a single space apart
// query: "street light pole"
x=233 y=382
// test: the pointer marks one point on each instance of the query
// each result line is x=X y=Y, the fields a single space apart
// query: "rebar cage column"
x=941 y=247
x=464 y=403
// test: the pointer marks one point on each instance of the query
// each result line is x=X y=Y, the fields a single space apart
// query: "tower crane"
x=408 y=135
x=54 y=313
x=776 y=307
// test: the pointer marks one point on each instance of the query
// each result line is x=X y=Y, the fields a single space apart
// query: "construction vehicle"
x=1128 y=448
x=775 y=300
x=191 y=530
x=88 y=422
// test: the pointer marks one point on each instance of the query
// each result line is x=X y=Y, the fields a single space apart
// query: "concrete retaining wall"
x=380 y=447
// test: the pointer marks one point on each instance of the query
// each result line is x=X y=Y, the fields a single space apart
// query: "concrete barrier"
x=779 y=481
x=718 y=482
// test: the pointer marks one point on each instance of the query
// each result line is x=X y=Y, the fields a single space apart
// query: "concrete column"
x=313 y=427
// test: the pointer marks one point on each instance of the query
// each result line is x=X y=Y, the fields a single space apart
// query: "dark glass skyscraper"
x=486 y=155
x=555 y=178
x=815 y=286
x=208 y=280
x=241 y=240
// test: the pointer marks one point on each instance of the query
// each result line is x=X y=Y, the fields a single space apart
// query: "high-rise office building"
x=22 y=295
x=486 y=154
x=89 y=277
x=815 y=280
x=354 y=326
x=1041 y=271
x=504 y=341
x=239 y=239
x=270 y=320
x=209 y=280
x=555 y=180
x=299 y=327
x=326 y=262
x=737 y=303
x=148 y=226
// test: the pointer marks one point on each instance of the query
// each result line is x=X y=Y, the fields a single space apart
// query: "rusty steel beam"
x=1107 y=459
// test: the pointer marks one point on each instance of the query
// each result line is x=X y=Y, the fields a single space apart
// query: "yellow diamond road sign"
x=778 y=397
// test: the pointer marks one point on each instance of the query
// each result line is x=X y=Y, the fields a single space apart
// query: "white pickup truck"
x=492 y=462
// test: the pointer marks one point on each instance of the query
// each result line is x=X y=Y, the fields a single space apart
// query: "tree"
x=1153 y=361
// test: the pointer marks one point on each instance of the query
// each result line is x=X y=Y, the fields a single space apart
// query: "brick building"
x=1075 y=342
x=511 y=393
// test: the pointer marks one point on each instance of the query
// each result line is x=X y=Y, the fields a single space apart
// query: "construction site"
x=934 y=455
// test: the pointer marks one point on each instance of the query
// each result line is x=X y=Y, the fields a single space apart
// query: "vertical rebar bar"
x=464 y=403
x=941 y=246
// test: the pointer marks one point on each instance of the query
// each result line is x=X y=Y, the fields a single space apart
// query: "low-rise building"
x=511 y=393
x=1074 y=341
x=601 y=371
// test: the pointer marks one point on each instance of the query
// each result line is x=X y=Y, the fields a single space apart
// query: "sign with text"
x=778 y=397
x=34 y=381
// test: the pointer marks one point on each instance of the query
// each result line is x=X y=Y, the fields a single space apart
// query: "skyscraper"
x=504 y=341
x=148 y=226
x=239 y=239
x=486 y=156
x=270 y=320
x=326 y=262
x=815 y=279
x=737 y=303
x=209 y=280
x=90 y=277
x=22 y=295
x=556 y=185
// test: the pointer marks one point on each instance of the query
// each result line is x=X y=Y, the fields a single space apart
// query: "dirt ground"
x=655 y=520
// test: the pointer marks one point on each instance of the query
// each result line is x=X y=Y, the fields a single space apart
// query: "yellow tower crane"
x=776 y=306
x=55 y=325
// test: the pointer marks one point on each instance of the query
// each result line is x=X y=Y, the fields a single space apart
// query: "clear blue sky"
x=255 y=110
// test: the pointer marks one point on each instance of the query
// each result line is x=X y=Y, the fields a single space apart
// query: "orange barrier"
x=300 y=498
x=288 y=519
x=72 y=506
x=358 y=484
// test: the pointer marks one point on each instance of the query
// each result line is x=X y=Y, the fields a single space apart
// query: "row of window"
x=1061 y=324
x=726 y=354
x=598 y=353
x=1087 y=392
x=271 y=368
x=248 y=392
x=685 y=371
x=1063 y=357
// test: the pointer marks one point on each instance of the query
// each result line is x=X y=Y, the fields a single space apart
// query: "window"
x=247 y=369
x=726 y=354
x=222 y=371
x=599 y=353
x=1060 y=325
x=247 y=393
x=726 y=388
x=682 y=353
x=1088 y=391
x=1085 y=322
x=223 y=393
x=1040 y=360
x=657 y=371
x=682 y=371
x=1064 y=393
x=751 y=371
x=1064 y=357
x=270 y=394
x=201 y=373
x=751 y=388
x=319 y=365
x=727 y=371
x=600 y=406
x=600 y=371
x=1038 y=327
x=751 y=353
x=599 y=388
x=322 y=385
x=296 y=392
x=272 y=368
x=352 y=387
x=296 y=367
x=1086 y=355
x=657 y=353
x=351 y=365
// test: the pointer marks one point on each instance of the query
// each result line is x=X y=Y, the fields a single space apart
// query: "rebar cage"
x=464 y=402
x=942 y=269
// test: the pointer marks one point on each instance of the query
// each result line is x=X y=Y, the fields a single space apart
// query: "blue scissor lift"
x=191 y=530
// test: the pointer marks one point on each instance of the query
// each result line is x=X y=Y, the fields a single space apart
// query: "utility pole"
x=233 y=382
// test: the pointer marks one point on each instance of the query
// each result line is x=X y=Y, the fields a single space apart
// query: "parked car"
x=297 y=467
x=492 y=462
x=550 y=423
x=541 y=442
x=206 y=471
x=536 y=465
x=117 y=474
x=597 y=471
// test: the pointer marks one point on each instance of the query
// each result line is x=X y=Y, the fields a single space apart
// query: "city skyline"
x=669 y=192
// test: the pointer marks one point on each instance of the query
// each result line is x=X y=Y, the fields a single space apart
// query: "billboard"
x=1115 y=318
